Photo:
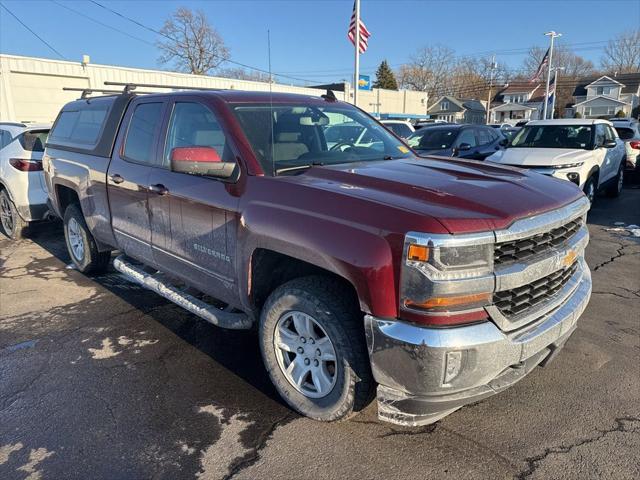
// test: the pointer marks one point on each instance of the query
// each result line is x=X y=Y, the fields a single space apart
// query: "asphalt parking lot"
x=101 y=379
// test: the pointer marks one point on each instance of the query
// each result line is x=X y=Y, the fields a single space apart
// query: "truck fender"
x=363 y=256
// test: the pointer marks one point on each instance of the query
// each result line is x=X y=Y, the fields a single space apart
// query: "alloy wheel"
x=6 y=215
x=305 y=354
x=76 y=241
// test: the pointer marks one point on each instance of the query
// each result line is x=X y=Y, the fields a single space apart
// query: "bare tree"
x=428 y=70
x=243 y=74
x=191 y=44
x=622 y=54
x=573 y=65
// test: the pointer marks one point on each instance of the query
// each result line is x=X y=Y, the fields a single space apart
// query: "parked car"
x=364 y=269
x=502 y=126
x=465 y=141
x=23 y=197
x=428 y=123
x=629 y=132
x=521 y=123
x=401 y=128
x=584 y=151
x=510 y=132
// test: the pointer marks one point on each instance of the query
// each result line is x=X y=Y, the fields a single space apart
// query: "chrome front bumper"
x=423 y=374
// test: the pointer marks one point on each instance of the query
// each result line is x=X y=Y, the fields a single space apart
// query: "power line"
x=34 y=33
x=101 y=23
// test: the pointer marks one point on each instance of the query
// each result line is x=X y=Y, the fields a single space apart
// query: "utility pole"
x=553 y=36
x=356 y=73
x=492 y=69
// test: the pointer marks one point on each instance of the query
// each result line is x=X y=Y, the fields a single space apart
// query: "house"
x=518 y=101
x=454 y=110
x=607 y=95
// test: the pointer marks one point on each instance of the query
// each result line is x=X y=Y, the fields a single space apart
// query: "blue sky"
x=308 y=37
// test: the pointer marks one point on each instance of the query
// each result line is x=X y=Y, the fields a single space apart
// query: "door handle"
x=115 y=178
x=158 y=188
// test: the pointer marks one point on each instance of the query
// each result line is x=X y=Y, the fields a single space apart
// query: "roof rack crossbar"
x=88 y=91
x=128 y=87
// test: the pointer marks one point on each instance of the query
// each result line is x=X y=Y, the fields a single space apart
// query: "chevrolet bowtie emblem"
x=569 y=258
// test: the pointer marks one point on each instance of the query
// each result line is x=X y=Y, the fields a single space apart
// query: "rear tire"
x=590 y=188
x=615 y=188
x=315 y=320
x=81 y=246
x=13 y=226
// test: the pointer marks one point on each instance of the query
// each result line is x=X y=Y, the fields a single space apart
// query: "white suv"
x=586 y=152
x=23 y=194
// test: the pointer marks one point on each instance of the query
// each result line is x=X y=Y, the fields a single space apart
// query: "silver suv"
x=629 y=131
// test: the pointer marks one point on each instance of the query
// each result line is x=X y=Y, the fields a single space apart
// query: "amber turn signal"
x=418 y=253
x=445 y=302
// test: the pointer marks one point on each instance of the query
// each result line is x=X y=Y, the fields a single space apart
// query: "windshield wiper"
x=299 y=167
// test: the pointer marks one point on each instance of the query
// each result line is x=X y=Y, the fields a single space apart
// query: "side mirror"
x=203 y=161
x=463 y=147
x=609 y=144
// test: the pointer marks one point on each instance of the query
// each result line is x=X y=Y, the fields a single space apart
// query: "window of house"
x=444 y=106
x=603 y=90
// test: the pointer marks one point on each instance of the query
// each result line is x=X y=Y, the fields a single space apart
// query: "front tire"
x=80 y=243
x=314 y=349
x=12 y=223
x=590 y=188
x=615 y=188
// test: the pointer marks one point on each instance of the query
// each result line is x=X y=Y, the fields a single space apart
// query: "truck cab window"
x=194 y=125
x=142 y=133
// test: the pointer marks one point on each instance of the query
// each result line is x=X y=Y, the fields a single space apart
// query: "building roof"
x=602 y=97
x=630 y=82
x=472 y=104
x=520 y=87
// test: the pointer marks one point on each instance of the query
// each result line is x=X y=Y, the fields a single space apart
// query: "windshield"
x=306 y=135
x=433 y=138
x=554 y=136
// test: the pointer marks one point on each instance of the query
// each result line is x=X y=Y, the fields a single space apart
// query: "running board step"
x=157 y=283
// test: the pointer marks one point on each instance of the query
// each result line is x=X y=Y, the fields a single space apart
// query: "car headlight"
x=569 y=165
x=450 y=263
x=444 y=275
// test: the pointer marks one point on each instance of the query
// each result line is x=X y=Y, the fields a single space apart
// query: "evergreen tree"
x=385 y=77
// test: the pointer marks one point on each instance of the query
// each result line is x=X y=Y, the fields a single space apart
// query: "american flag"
x=552 y=86
x=543 y=64
x=364 y=33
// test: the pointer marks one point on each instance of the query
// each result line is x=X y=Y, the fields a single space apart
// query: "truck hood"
x=464 y=196
x=539 y=157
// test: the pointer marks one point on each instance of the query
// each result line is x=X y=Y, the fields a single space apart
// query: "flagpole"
x=555 y=91
x=553 y=35
x=356 y=73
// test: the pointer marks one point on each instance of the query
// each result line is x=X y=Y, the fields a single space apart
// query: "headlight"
x=444 y=276
x=568 y=165
x=451 y=263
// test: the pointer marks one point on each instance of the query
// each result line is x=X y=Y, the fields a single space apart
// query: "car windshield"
x=306 y=135
x=554 y=136
x=433 y=138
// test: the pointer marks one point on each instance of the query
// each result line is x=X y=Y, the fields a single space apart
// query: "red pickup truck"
x=430 y=282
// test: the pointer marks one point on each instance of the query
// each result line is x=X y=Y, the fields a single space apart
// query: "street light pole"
x=553 y=36
x=493 y=67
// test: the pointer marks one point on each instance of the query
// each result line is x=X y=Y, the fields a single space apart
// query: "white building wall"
x=31 y=88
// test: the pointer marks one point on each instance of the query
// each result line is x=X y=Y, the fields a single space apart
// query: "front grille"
x=515 y=301
x=523 y=248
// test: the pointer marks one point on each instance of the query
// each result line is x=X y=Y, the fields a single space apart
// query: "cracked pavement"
x=101 y=379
